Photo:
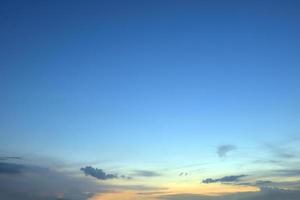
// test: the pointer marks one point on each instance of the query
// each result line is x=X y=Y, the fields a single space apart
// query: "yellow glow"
x=210 y=189
x=125 y=195
x=203 y=189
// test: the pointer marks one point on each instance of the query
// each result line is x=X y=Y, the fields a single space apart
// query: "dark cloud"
x=5 y=158
x=11 y=168
x=263 y=183
x=125 y=177
x=224 y=149
x=258 y=183
x=183 y=174
x=31 y=182
x=97 y=173
x=17 y=168
x=266 y=185
x=145 y=173
x=225 y=179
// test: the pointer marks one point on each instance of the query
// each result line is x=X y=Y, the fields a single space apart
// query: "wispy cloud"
x=5 y=158
x=271 y=185
x=287 y=172
x=145 y=173
x=224 y=149
x=280 y=152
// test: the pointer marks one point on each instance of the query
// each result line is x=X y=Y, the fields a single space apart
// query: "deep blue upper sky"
x=108 y=79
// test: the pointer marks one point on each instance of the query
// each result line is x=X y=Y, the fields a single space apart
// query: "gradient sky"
x=206 y=88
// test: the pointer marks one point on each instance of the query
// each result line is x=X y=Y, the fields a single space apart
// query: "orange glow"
x=212 y=190
x=126 y=195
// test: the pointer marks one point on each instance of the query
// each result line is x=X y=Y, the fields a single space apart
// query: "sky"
x=152 y=100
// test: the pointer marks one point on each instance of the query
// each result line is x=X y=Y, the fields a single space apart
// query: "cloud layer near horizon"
x=33 y=182
x=270 y=194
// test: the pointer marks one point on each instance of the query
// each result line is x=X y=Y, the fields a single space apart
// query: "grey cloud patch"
x=183 y=174
x=267 y=185
x=258 y=183
x=285 y=155
x=125 y=177
x=270 y=161
x=280 y=152
x=100 y=174
x=263 y=183
x=31 y=182
x=17 y=168
x=35 y=182
x=145 y=173
x=97 y=173
x=5 y=158
x=287 y=172
x=266 y=174
x=225 y=179
x=224 y=149
x=11 y=168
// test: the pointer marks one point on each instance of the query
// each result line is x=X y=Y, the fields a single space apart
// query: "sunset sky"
x=150 y=100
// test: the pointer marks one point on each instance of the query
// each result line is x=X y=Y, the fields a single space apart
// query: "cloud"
x=224 y=179
x=125 y=177
x=18 y=168
x=97 y=173
x=11 y=168
x=32 y=182
x=280 y=152
x=258 y=183
x=267 y=174
x=268 y=161
x=5 y=158
x=271 y=185
x=263 y=183
x=145 y=173
x=183 y=174
x=224 y=149
x=287 y=172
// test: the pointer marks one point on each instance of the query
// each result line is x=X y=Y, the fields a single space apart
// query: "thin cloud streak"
x=224 y=179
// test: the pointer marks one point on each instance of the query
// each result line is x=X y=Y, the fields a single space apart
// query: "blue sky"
x=153 y=84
